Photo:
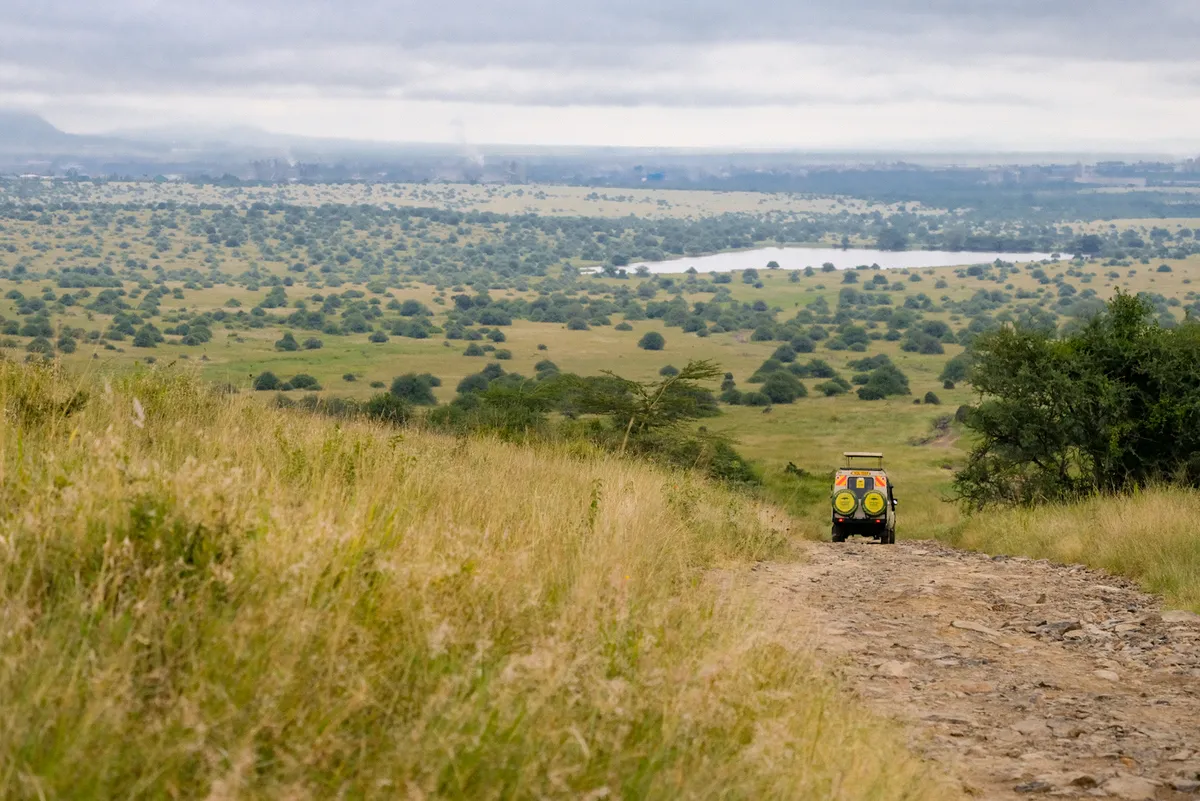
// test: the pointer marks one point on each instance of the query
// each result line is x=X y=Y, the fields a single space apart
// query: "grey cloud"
x=59 y=46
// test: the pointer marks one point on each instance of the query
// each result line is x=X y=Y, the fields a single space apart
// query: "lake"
x=799 y=258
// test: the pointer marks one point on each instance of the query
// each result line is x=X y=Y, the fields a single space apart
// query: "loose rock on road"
x=1019 y=677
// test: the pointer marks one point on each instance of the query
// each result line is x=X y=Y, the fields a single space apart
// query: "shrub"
x=146 y=337
x=803 y=345
x=266 y=382
x=783 y=387
x=577 y=324
x=882 y=382
x=349 y=377
x=784 y=353
x=387 y=408
x=1108 y=408
x=378 y=337
x=956 y=369
x=669 y=370
x=473 y=350
x=312 y=343
x=286 y=343
x=617 y=327
x=305 y=381
x=833 y=387
x=652 y=340
x=415 y=389
x=762 y=334
x=932 y=399
x=472 y=383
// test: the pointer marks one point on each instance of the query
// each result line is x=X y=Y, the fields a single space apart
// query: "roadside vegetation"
x=204 y=595
x=1148 y=536
x=1089 y=441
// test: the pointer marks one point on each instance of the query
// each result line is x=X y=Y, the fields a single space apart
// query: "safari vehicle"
x=863 y=501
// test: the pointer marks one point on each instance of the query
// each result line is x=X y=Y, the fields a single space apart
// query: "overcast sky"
x=975 y=74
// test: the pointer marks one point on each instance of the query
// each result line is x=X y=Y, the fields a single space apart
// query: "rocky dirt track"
x=1020 y=678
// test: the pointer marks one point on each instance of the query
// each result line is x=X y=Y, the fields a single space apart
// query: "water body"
x=799 y=258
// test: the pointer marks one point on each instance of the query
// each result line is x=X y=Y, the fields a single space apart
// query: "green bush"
x=652 y=340
x=286 y=343
x=387 y=408
x=1109 y=408
x=266 y=382
x=882 y=382
x=415 y=389
x=783 y=387
x=305 y=381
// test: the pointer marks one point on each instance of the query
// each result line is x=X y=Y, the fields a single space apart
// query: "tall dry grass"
x=200 y=596
x=1152 y=536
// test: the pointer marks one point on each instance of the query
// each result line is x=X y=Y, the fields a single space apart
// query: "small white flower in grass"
x=139 y=414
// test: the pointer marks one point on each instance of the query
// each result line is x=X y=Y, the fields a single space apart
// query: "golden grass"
x=1150 y=537
x=203 y=596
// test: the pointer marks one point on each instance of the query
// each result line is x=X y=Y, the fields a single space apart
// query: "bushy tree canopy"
x=415 y=389
x=652 y=340
x=1115 y=405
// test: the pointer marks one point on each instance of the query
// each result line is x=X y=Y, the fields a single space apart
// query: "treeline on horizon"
x=1037 y=191
x=528 y=243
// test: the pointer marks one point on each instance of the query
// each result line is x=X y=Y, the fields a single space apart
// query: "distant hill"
x=24 y=129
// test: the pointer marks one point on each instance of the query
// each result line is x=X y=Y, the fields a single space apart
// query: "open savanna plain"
x=239 y=270
x=259 y=600
x=498 y=198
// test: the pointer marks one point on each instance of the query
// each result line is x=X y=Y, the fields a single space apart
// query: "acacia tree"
x=641 y=407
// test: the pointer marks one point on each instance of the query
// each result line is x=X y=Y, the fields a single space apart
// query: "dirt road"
x=1019 y=677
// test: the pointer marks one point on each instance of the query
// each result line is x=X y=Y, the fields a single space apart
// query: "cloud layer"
x=1062 y=59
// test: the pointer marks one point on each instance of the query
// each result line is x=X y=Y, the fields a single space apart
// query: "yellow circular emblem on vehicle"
x=874 y=503
x=845 y=502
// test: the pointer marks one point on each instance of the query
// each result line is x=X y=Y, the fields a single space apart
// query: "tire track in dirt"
x=1020 y=677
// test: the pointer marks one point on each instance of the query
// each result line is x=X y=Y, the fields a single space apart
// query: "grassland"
x=810 y=433
x=262 y=603
x=1150 y=537
x=205 y=596
x=542 y=199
